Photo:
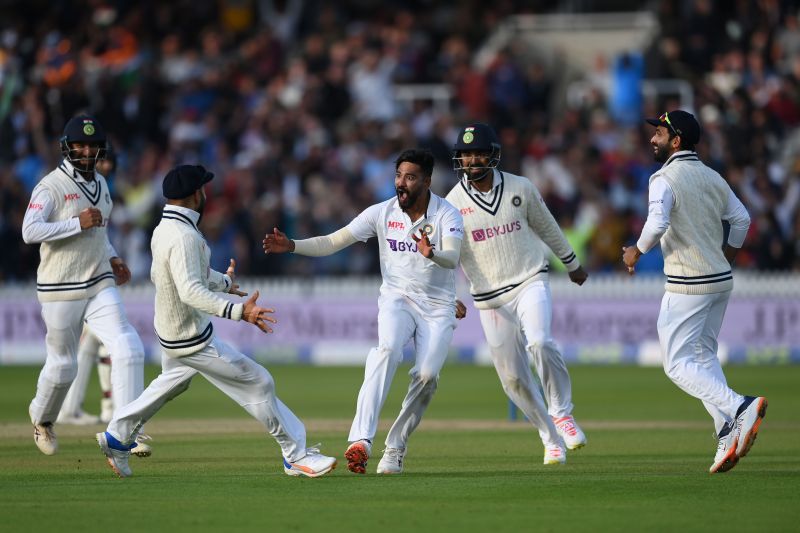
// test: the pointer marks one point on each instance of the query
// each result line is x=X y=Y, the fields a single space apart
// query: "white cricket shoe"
x=392 y=461
x=747 y=422
x=569 y=430
x=45 y=438
x=142 y=448
x=81 y=418
x=313 y=464
x=726 y=457
x=554 y=454
x=357 y=455
x=116 y=454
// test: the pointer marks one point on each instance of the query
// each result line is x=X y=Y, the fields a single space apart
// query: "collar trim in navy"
x=182 y=214
x=92 y=189
x=493 y=204
x=683 y=155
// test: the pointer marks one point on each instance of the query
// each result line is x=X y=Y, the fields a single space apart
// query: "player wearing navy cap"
x=77 y=274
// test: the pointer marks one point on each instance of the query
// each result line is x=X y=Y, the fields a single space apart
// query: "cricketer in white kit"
x=185 y=297
x=419 y=237
x=506 y=226
x=76 y=278
x=688 y=202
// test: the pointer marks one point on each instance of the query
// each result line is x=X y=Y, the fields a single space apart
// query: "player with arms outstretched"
x=419 y=238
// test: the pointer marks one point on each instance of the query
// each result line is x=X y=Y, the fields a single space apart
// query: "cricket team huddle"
x=494 y=224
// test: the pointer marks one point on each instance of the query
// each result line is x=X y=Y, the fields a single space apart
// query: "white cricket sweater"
x=185 y=283
x=75 y=267
x=694 y=262
x=505 y=232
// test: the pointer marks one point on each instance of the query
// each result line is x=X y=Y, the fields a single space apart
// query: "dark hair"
x=419 y=156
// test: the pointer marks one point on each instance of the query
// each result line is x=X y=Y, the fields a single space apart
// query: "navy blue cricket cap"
x=681 y=123
x=183 y=180
x=83 y=128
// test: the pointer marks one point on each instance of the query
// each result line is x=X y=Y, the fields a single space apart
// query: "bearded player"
x=77 y=277
x=419 y=238
x=506 y=228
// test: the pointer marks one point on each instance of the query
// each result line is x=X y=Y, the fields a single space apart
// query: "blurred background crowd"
x=296 y=106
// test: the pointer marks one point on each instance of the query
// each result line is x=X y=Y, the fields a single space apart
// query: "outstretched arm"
x=278 y=243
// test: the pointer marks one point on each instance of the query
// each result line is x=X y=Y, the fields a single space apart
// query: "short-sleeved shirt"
x=406 y=271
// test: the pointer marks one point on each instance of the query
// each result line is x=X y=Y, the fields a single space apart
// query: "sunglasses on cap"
x=665 y=119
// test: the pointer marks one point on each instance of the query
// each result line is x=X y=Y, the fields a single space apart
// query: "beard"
x=660 y=153
x=201 y=208
x=406 y=198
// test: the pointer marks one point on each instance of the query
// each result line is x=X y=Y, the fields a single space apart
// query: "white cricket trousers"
x=88 y=350
x=518 y=332
x=105 y=316
x=688 y=327
x=239 y=377
x=401 y=319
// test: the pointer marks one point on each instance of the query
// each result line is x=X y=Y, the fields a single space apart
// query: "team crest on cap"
x=517 y=201
x=428 y=229
x=88 y=127
x=468 y=137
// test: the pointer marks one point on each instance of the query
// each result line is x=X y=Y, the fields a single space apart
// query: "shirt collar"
x=70 y=171
x=183 y=213
x=681 y=155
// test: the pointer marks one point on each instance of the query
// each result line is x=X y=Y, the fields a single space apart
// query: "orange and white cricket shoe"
x=313 y=464
x=726 y=457
x=554 y=454
x=569 y=430
x=748 y=421
x=357 y=455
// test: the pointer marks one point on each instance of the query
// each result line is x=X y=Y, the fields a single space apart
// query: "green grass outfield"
x=468 y=468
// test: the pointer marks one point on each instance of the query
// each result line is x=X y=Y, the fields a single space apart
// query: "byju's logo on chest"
x=401 y=246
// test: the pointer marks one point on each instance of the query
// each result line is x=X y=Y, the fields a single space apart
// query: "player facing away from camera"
x=185 y=297
x=506 y=227
x=419 y=238
x=688 y=202
x=77 y=274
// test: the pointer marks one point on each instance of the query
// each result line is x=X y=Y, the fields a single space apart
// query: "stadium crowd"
x=292 y=104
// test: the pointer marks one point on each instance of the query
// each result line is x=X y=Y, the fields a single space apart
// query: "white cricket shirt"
x=406 y=271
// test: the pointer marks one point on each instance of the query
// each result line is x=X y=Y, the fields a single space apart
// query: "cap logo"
x=88 y=128
x=468 y=137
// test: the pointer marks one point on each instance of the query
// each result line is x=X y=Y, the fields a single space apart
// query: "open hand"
x=231 y=274
x=423 y=243
x=258 y=315
x=277 y=242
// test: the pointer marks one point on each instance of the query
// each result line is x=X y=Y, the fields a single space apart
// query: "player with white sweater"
x=186 y=288
x=688 y=202
x=419 y=238
x=77 y=275
x=507 y=227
